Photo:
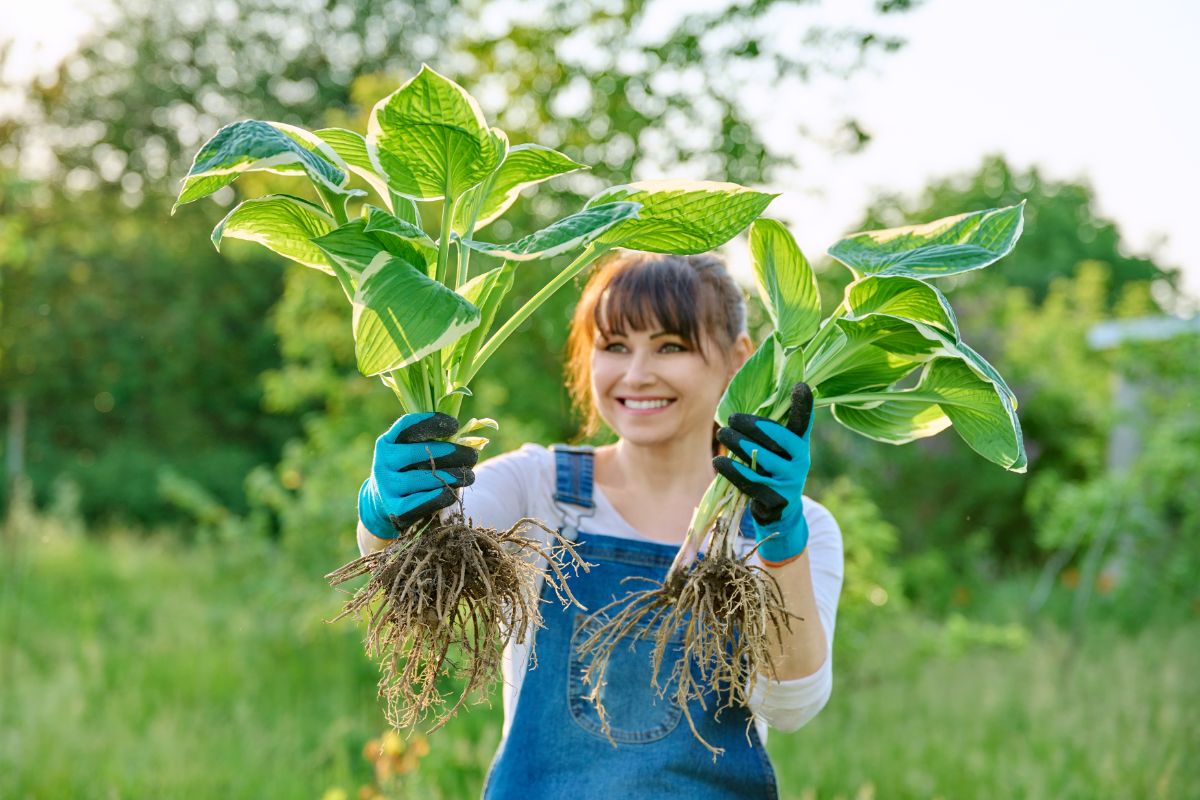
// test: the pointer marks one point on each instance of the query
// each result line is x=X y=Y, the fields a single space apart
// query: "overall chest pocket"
x=636 y=713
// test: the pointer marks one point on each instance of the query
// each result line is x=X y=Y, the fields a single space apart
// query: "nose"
x=639 y=372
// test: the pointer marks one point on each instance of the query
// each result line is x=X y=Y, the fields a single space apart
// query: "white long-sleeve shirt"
x=521 y=484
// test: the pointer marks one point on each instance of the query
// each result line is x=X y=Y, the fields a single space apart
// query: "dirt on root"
x=443 y=600
x=722 y=612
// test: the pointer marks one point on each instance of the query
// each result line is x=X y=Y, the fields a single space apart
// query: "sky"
x=1087 y=90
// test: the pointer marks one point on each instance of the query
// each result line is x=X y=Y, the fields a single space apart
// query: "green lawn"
x=131 y=668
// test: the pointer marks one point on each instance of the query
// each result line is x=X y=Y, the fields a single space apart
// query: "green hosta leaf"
x=350 y=247
x=405 y=209
x=903 y=298
x=524 y=166
x=561 y=236
x=402 y=315
x=682 y=217
x=351 y=147
x=943 y=247
x=353 y=247
x=949 y=392
x=753 y=385
x=485 y=293
x=986 y=371
x=386 y=226
x=873 y=368
x=429 y=138
x=281 y=223
x=856 y=344
x=786 y=282
x=252 y=145
x=896 y=420
x=475 y=424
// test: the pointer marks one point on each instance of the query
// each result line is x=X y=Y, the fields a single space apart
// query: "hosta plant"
x=892 y=323
x=446 y=594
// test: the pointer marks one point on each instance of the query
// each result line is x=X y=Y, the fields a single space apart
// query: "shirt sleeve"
x=501 y=494
x=792 y=704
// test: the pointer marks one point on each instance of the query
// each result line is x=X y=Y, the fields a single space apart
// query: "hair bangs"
x=662 y=294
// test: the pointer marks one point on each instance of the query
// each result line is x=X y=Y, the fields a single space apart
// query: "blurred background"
x=186 y=432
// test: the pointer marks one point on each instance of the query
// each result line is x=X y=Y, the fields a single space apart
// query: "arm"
x=804 y=671
x=801 y=651
x=771 y=467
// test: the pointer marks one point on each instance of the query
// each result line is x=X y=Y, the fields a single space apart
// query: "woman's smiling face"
x=651 y=386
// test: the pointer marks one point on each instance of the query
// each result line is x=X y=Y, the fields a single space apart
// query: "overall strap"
x=573 y=471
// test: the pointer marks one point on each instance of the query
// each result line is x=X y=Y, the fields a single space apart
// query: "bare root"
x=443 y=600
x=722 y=612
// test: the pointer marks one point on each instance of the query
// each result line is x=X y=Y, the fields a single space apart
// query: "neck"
x=678 y=466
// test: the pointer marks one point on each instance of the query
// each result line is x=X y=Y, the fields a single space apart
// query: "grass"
x=135 y=667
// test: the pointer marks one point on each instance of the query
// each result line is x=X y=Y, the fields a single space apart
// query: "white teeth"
x=646 y=403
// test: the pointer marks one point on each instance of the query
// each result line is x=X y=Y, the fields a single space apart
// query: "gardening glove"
x=404 y=486
x=776 y=483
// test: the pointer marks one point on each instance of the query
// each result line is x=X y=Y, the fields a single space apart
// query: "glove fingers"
x=402 y=486
x=784 y=442
x=799 y=419
x=425 y=504
x=745 y=479
x=424 y=427
x=744 y=447
x=749 y=426
x=768 y=506
x=445 y=455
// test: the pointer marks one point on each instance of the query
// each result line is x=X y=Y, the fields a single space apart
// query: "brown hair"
x=629 y=289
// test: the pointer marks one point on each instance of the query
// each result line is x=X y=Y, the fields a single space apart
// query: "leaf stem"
x=464 y=253
x=589 y=254
x=443 y=271
x=719 y=495
x=814 y=344
x=334 y=203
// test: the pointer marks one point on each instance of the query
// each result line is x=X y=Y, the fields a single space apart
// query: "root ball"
x=728 y=612
x=443 y=600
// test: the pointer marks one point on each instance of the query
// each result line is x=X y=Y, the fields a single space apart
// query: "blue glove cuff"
x=788 y=545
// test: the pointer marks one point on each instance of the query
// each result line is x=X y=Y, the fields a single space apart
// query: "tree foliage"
x=134 y=349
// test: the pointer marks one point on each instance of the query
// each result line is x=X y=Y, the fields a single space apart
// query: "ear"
x=743 y=348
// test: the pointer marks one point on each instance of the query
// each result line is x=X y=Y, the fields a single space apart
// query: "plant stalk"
x=589 y=254
x=443 y=271
x=334 y=203
x=719 y=495
x=464 y=253
x=813 y=346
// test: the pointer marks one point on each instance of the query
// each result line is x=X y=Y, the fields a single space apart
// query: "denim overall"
x=556 y=747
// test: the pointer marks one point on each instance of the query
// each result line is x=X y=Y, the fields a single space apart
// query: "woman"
x=653 y=343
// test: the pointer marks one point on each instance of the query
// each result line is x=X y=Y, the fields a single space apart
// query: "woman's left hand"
x=775 y=485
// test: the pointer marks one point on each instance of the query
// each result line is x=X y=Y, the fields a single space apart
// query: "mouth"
x=645 y=405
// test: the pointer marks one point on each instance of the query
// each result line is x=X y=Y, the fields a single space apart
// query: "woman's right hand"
x=413 y=473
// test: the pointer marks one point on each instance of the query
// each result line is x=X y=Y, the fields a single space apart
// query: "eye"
x=678 y=348
x=614 y=347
